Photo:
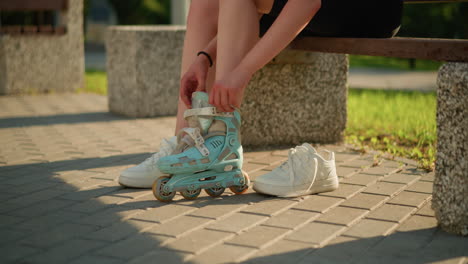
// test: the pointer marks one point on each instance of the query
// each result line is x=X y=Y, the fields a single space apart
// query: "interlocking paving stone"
x=410 y=199
x=401 y=178
x=199 y=240
x=283 y=251
x=370 y=228
x=379 y=170
x=342 y=249
x=418 y=222
x=42 y=208
x=317 y=234
x=344 y=191
x=343 y=171
x=164 y=213
x=65 y=252
x=237 y=222
x=291 y=218
x=426 y=210
x=87 y=259
x=391 y=212
x=421 y=187
x=223 y=253
x=269 y=207
x=134 y=246
x=258 y=237
x=365 y=201
x=179 y=226
x=318 y=203
x=360 y=179
x=120 y=230
x=384 y=188
x=54 y=236
x=49 y=220
x=12 y=253
x=160 y=256
x=342 y=216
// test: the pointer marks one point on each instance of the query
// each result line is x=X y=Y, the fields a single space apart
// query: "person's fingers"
x=224 y=100
x=233 y=101
x=183 y=92
x=211 y=95
x=201 y=85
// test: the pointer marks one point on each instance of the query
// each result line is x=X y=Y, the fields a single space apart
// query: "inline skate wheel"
x=243 y=188
x=215 y=191
x=158 y=189
x=190 y=194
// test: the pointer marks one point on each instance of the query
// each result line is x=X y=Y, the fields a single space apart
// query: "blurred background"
x=391 y=102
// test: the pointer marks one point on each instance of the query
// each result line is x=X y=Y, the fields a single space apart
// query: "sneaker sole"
x=327 y=185
x=132 y=183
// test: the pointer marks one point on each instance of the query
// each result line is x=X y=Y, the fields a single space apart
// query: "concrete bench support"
x=450 y=195
x=298 y=97
x=143 y=69
x=45 y=63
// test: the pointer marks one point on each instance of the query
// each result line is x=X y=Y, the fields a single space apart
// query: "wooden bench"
x=455 y=50
x=450 y=192
x=44 y=13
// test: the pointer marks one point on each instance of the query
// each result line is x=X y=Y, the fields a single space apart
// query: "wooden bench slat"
x=416 y=48
x=35 y=5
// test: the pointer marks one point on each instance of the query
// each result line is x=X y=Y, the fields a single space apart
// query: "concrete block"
x=199 y=240
x=298 y=97
x=450 y=192
x=44 y=63
x=143 y=69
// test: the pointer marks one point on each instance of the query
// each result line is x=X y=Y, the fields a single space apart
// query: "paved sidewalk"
x=61 y=155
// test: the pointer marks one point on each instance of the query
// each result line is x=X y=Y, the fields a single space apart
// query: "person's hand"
x=227 y=93
x=194 y=79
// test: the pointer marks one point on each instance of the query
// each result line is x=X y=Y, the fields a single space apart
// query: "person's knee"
x=204 y=10
x=263 y=6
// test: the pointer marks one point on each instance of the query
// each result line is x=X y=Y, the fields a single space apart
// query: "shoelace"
x=163 y=150
x=288 y=165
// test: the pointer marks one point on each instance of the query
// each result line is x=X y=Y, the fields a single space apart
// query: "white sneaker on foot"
x=305 y=172
x=144 y=174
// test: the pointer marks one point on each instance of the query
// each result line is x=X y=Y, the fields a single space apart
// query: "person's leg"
x=238 y=29
x=202 y=27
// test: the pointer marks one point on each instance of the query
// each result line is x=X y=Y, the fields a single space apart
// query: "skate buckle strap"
x=206 y=111
x=194 y=133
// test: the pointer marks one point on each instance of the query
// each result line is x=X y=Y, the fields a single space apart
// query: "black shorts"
x=347 y=18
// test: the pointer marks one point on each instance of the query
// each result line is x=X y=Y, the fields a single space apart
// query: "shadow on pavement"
x=60 y=119
x=430 y=245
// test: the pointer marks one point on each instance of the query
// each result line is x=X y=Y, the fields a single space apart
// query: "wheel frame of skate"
x=161 y=193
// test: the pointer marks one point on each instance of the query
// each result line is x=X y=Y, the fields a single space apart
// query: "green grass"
x=392 y=63
x=397 y=122
x=96 y=82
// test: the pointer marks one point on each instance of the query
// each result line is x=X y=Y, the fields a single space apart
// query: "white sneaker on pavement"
x=305 y=172
x=144 y=174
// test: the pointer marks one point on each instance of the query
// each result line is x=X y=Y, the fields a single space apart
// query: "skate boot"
x=208 y=155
